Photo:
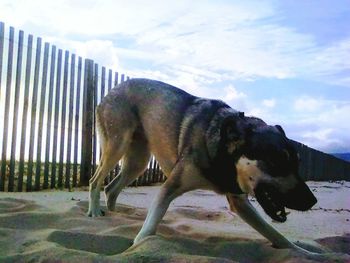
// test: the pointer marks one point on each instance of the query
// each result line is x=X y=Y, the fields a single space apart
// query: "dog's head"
x=268 y=169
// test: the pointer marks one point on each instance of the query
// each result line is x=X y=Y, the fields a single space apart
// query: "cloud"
x=247 y=45
x=102 y=51
x=308 y=104
x=270 y=103
x=320 y=134
x=323 y=124
x=326 y=139
x=232 y=94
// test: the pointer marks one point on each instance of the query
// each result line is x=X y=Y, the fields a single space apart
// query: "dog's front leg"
x=241 y=205
x=169 y=191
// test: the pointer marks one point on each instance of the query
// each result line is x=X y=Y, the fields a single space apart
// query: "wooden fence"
x=47 y=128
x=319 y=166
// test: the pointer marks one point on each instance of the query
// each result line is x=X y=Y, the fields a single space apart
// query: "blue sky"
x=287 y=62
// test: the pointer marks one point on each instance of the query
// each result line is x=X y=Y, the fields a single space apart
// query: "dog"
x=199 y=144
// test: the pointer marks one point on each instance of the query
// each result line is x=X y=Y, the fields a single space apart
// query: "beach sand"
x=52 y=226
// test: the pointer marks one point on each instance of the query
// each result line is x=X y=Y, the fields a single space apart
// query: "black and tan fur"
x=199 y=144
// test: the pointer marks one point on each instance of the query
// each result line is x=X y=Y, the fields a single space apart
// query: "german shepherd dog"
x=199 y=144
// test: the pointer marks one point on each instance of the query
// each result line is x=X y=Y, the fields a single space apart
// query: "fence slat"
x=116 y=79
x=76 y=124
x=94 y=140
x=7 y=109
x=70 y=121
x=109 y=81
x=103 y=83
x=56 y=116
x=41 y=117
x=86 y=148
x=49 y=118
x=63 y=120
x=25 y=112
x=15 y=112
x=33 y=114
x=2 y=41
x=115 y=171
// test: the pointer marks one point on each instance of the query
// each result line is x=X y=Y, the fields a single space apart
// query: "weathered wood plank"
x=2 y=41
x=41 y=117
x=33 y=114
x=116 y=81
x=49 y=118
x=103 y=84
x=7 y=109
x=88 y=111
x=25 y=113
x=95 y=102
x=63 y=120
x=15 y=111
x=70 y=121
x=76 y=123
x=56 y=119
x=109 y=80
x=115 y=171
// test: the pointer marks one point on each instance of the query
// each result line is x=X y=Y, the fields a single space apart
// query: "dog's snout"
x=300 y=198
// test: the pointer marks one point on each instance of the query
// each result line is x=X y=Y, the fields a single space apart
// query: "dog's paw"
x=310 y=246
x=96 y=213
x=319 y=254
x=140 y=237
x=136 y=240
x=327 y=257
x=110 y=203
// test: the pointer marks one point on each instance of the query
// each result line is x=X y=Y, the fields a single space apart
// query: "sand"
x=52 y=226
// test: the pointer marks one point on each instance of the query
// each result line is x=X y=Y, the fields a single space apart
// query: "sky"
x=287 y=62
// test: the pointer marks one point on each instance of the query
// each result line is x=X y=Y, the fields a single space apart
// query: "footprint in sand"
x=10 y=205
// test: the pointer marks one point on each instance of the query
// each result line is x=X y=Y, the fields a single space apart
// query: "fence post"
x=88 y=111
x=7 y=109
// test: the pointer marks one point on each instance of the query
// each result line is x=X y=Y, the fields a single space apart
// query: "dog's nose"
x=300 y=197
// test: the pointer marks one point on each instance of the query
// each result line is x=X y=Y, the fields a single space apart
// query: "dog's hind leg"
x=134 y=164
x=111 y=154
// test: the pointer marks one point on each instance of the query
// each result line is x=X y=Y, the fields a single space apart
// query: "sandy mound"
x=53 y=226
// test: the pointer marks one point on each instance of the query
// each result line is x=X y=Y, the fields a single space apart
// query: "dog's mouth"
x=271 y=201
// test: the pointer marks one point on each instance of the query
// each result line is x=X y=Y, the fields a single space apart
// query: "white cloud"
x=200 y=34
x=331 y=58
x=320 y=134
x=324 y=127
x=326 y=139
x=102 y=51
x=270 y=103
x=308 y=104
x=231 y=94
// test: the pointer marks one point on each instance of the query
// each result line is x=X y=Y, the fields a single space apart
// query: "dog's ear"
x=231 y=134
x=280 y=129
